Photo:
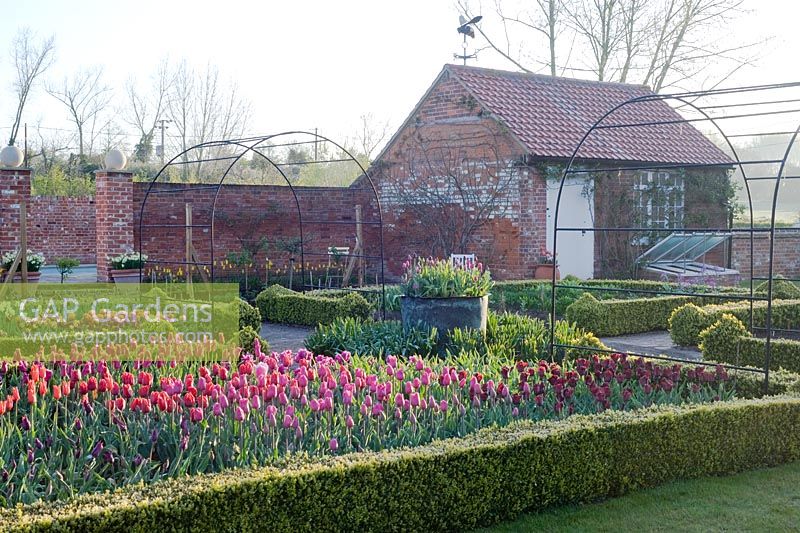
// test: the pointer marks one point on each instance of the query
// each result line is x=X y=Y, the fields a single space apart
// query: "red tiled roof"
x=549 y=115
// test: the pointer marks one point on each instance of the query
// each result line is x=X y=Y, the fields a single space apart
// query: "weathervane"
x=466 y=29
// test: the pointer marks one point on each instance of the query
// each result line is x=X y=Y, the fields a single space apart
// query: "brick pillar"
x=114 y=219
x=15 y=187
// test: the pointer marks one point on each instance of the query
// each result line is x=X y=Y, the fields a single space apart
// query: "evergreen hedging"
x=728 y=341
x=454 y=484
x=623 y=317
x=282 y=305
x=687 y=321
x=249 y=316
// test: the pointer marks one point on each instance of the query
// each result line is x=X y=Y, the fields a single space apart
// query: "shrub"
x=65 y=266
x=720 y=341
x=247 y=337
x=685 y=324
x=249 y=316
x=454 y=484
x=266 y=299
x=621 y=317
x=728 y=341
x=782 y=289
x=278 y=304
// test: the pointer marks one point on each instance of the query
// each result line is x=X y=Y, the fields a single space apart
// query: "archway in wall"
x=293 y=208
x=703 y=217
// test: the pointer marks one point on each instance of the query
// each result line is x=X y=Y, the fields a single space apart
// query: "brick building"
x=476 y=167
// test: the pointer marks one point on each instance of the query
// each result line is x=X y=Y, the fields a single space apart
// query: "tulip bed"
x=72 y=428
x=455 y=484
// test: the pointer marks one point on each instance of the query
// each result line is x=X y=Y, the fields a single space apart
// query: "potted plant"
x=125 y=267
x=546 y=263
x=35 y=263
x=437 y=293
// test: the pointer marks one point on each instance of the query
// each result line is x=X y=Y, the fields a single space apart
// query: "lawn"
x=762 y=500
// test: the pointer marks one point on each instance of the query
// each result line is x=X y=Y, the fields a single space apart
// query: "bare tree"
x=146 y=108
x=598 y=23
x=203 y=108
x=30 y=60
x=49 y=146
x=370 y=136
x=84 y=96
x=660 y=43
x=448 y=187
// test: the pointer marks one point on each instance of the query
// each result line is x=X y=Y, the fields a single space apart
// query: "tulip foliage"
x=71 y=428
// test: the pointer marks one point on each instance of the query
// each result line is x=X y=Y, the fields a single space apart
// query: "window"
x=659 y=199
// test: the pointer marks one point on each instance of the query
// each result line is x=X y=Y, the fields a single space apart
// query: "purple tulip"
x=154 y=436
x=25 y=424
x=333 y=444
x=98 y=447
x=443 y=406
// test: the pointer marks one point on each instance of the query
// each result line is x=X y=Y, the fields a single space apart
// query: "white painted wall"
x=575 y=248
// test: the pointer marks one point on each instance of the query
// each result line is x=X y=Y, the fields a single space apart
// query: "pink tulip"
x=196 y=414
x=443 y=406
x=349 y=422
x=333 y=445
x=238 y=414
x=217 y=409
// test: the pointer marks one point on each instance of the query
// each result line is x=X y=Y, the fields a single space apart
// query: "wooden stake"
x=23 y=240
x=189 y=247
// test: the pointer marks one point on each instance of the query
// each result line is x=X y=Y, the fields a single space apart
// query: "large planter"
x=546 y=272
x=33 y=277
x=128 y=275
x=445 y=313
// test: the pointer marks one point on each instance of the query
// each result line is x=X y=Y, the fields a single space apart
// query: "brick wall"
x=62 y=227
x=247 y=213
x=787 y=254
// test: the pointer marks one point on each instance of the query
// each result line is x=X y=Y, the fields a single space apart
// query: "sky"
x=304 y=64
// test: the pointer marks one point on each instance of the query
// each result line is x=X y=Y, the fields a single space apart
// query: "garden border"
x=490 y=476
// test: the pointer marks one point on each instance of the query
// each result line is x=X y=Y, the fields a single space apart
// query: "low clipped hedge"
x=249 y=316
x=687 y=321
x=455 y=484
x=623 y=317
x=282 y=305
x=728 y=341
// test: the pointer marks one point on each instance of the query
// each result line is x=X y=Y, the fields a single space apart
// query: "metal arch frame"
x=683 y=98
x=254 y=145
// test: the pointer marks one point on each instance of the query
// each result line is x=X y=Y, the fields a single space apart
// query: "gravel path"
x=653 y=343
x=282 y=337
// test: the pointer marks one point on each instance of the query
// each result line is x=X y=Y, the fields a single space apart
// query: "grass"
x=762 y=500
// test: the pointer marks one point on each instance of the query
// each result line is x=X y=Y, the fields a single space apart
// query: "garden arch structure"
x=201 y=172
x=751 y=113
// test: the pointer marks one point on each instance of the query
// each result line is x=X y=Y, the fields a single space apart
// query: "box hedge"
x=728 y=341
x=282 y=305
x=686 y=322
x=455 y=484
x=623 y=317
